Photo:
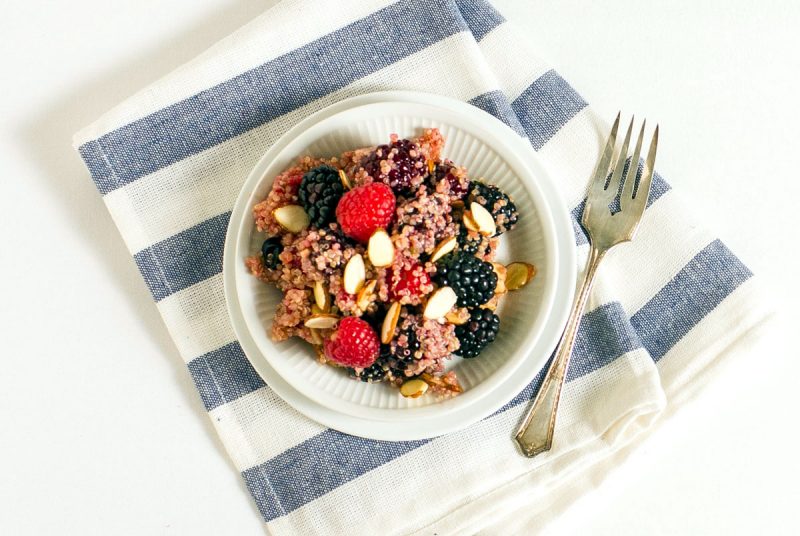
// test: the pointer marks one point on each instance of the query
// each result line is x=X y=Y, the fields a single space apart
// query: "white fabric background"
x=97 y=457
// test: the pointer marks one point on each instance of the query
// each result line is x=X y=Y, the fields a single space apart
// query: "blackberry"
x=270 y=251
x=407 y=167
x=474 y=245
x=497 y=202
x=405 y=355
x=472 y=279
x=477 y=332
x=319 y=193
x=375 y=373
x=456 y=178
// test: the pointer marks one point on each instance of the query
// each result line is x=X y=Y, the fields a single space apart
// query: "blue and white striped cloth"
x=169 y=163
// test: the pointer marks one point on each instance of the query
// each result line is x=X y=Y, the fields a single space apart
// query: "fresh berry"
x=472 y=242
x=270 y=251
x=411 y=283
x=406 y=353
x=365 y=209
x=457 y=181
x=399 y=164
x=376 y=372
x=354 y=344
x=503 y=210
x=472 y=279
x=319 y=194
x=477 y=332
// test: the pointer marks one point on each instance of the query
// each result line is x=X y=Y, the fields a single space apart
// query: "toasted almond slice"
x=413 y=388
x=457 y=204
x=440 y=303
x=433 y=381
x=364 y=297
x=469 y=222
x=501 y=272
x=457 y=317
x=345 y=180
x=390 y=323
x=380 y=249
x=322 y=298
x=431 y=167
x=354 y=274
x=321 y=321
x=519 y=274
x=316 y=338
x=444 y=247
x=315 y=310
x=483 y=218
x=292 y=218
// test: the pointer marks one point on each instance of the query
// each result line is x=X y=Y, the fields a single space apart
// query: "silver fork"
x=606 y=230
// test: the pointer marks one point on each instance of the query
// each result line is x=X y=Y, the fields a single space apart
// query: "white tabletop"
x=103 y=432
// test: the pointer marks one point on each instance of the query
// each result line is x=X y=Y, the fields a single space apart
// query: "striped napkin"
x=169 y=163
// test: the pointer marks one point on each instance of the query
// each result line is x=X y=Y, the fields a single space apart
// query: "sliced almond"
x=469 y=222
x=483 y=219
x=292 y=218
x=380 y=249
x=345 y=180
x=354 y=274
x=440 y=303
x=451 y=385
x=431 y=167
x=316 y=338
x=315 y=310
x=519 y=274
x=365 y=295
x=390 y=323
x=457 y=204
x=501 y=272
x=457 y=317
x=413 y=388
x=322 y=297
x=321 y=321
x=444 y=247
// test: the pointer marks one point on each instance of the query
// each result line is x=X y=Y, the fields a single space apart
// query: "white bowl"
x=544 y=237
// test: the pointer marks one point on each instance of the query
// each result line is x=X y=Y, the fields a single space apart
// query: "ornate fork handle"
x=536 y=433
x=612 y=178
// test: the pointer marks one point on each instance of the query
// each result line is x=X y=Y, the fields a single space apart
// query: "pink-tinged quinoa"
x=422 y=222
x=291 y=313
x=437 y=341
x=283 y=192
x=451 y=180
x=430 y=196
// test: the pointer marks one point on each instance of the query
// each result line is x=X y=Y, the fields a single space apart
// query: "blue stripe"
x=694 y=292
x=269 y=91
x=330 y=459
x=545 y=106
x=184 y=259
x=497 y=104
x=224 y=375
x=480 y=16
x=313 y=468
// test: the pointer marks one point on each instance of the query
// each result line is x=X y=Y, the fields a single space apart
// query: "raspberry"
x=355 y=344
x=400 y=164
x=365 y=209
x=412 y=282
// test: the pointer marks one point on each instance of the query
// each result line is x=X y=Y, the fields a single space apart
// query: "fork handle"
x=536 y=433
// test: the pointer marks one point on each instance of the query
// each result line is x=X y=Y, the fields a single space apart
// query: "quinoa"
x=430 y=194
x=423 y=222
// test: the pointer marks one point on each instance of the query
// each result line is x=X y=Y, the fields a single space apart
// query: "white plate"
x=531 y=320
